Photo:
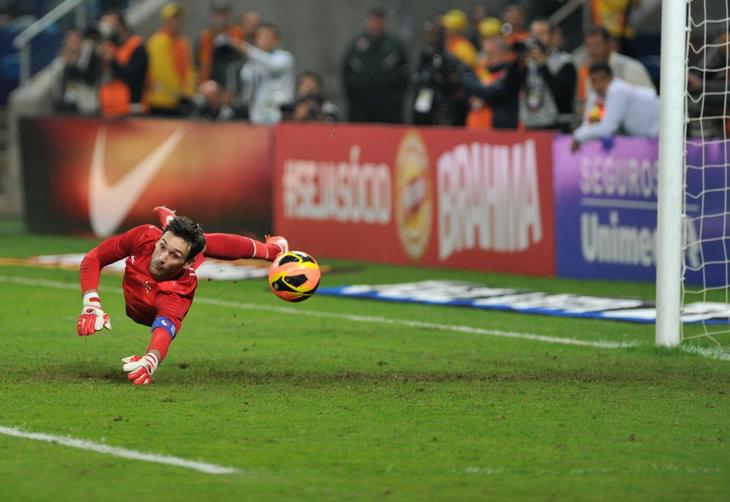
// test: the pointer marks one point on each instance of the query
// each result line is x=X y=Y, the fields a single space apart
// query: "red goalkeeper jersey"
x=146 y=298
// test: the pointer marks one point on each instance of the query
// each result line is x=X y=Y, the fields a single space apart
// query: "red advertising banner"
x=93 y=176
x=429 y=196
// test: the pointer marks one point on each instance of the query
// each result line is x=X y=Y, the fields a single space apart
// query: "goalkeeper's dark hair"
x=190 y=232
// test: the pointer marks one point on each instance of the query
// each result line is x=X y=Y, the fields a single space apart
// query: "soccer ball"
x=294 y=276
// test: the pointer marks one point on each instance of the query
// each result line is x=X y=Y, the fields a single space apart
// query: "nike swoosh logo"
x=109 y=205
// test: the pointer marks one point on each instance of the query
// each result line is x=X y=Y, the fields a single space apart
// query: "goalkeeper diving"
x=159 y=279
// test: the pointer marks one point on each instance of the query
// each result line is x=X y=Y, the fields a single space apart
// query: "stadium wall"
x=606 y=210
x=87 y=176
x=606 y=206
x=427 y=196
x=508 y=202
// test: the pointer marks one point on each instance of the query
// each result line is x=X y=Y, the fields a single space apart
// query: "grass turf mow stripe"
x=600 y=344
x=717 y=354
x=115 y=451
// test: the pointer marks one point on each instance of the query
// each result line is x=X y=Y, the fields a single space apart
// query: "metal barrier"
x=23 y=41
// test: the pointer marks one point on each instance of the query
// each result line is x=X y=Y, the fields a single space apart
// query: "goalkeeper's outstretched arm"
x=92 y=317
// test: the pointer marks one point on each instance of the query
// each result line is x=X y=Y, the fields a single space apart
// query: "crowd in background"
x=233 y=70
x=479 y=70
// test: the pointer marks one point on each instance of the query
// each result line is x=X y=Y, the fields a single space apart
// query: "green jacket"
x=375 y=75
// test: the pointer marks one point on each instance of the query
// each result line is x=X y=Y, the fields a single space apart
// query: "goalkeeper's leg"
x=233 y=247
x=164 y=214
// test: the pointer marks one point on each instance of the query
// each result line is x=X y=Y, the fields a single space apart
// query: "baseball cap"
x=220 y=5
x=170 y=10
x=454 y=19
x=490 y=27
x=376 y=12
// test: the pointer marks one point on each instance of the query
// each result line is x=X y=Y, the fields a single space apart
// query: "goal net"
x=706 y=208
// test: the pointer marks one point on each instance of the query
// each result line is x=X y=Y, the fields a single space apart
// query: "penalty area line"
x=600 y=344
x=454 y=328
x=84 y=444
x=709 y=353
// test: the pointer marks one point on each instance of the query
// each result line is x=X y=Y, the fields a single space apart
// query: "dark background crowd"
x=481 y=68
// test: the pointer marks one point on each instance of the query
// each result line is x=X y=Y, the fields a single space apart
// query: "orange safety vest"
x=517 y=36
x=205 y=49
x=463 y=50
x=114 y=96
x=581 y=92
x=170 y=73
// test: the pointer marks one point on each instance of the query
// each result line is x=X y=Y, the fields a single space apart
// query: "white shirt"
x=268 y=82
x=537 y=104
x=629 y=109
x=627 y=69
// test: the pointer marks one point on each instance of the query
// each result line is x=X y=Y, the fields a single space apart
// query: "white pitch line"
x=600 y=344
x=84 y=444
x=708 y=352
x=420 y=324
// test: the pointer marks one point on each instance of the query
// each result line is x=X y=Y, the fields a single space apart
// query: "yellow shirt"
x=611 y=14
x=170 y=73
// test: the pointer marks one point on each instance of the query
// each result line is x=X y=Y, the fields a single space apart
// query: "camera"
x=305 y=108
x=533 y=43
x=92 y=32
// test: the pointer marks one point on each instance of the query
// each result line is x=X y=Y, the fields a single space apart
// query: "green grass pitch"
x=317 y=408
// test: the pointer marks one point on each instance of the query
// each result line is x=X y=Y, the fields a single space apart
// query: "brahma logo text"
x=346 y=191
x=413 y=195
x=489 y=198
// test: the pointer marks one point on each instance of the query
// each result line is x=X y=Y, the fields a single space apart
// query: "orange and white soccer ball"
x=294 y=276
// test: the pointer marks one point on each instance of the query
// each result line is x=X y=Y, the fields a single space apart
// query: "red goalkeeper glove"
x=140 y=369
x=92 y=317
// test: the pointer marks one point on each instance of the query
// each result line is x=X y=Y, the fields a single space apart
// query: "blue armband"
x=166 y=324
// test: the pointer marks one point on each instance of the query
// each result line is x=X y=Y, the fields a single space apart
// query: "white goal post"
x=670 y=207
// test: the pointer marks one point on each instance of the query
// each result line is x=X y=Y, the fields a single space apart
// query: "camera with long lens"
x=533 y=43
x=92 y=32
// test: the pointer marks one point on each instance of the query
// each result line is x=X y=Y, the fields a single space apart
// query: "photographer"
x=213 y=103
x=268 y=76
x=124 y=61
x=76 y=73
x=216 y=58
x=439 y=96
x=502 y=95
x=310 y=105
x=549 y=91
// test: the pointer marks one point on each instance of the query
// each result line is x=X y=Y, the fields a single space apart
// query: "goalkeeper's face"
x=169 y=257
